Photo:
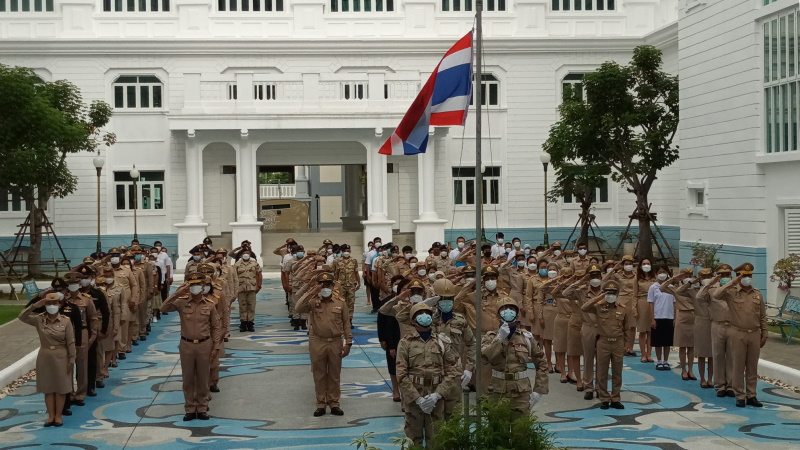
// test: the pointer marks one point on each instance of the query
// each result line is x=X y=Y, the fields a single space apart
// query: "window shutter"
x=792 y=230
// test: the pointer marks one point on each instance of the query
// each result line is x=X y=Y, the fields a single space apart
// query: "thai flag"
x=443 y=100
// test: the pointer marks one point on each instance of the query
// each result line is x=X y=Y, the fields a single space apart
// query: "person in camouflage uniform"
x=345 y=272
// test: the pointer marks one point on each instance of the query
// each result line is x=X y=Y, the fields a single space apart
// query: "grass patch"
x=9 y=312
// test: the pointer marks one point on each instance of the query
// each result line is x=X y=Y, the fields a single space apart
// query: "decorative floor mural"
x=267 y=399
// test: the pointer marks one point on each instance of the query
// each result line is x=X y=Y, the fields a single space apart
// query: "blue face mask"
x=196 y=257
x=137 y=257
x=424 y=320
x=300 y=254
x=543 y=272
x=445 y=306
x=724 y=281
x=509 y=315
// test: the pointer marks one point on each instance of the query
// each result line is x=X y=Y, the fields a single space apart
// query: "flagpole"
x=477 y=100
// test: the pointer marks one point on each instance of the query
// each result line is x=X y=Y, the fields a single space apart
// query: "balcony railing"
x=270 y=191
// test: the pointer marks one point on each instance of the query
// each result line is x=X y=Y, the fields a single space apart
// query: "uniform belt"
x=195 y=341
x=337 y=338
x=702 y=317
x=509 y=376
x=425 y=381
x=724 y=323
x=748 y=331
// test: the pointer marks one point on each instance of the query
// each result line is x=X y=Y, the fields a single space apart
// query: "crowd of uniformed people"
x=544 y=311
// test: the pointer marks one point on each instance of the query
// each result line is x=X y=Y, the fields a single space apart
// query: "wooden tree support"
x=17 y=257
x=664 y=257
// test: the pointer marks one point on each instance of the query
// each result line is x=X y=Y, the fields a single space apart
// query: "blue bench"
x=788 y=315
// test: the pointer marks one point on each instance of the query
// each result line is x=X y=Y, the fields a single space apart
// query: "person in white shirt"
x=662 y=318
x=454 y=253
x=498 y=248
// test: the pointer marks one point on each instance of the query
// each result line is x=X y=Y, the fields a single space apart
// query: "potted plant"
x=785 y=271
x=705 y=255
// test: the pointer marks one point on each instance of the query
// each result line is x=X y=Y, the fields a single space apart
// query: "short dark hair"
x=486 y=247
x=407 y=248
x=499 y=234
x=516 y=239
x=156 y=243
x=582 y=243
x=460 y=237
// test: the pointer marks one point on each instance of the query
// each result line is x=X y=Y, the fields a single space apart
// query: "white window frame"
x=564 y=81
x=140 y=187
x=574 y=204
x=487 y=179
x=28 y=6
x=336 y=6
x=697 y=190
x=249 y=4
x=582 y=5
x=110 y=6
x=10 y=212
x=448 y=6
x=486 y=83
x=138 y=93
x=780 y=54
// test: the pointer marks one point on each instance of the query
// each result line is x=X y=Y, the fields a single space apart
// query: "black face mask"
x=487 y=254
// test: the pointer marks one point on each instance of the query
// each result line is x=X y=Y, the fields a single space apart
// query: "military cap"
x=580 y=273
x=594 y=268
x=687 y=270
x=569 y=252
x=136 y=249
x=627 y=258
x=724 y=268
x=73 y=277
x=123 y=249
x=506 y=302
x=705 y=272
x=609 y=262
x=114 y=250
x=53 y=297
x=58 y=284
x=345 y=247
x=319 y=258
x=444 y=288
x=416 y=284
x=88 y=259
x=311 y=253
x=101 y=280
x=222 y=250
x=611 y=286
x=744 y=269
x=290 y=240
x=327 y=241
x=129 y=254
x=519 y=253
x=436 y=244
x=566 y=271
x=246 y=242
x=207 y=240
x=206 y=268
x=86 y=271
x=325 y=277
x=195 y=278
x=556 y=244
x=468 y=269
x=489 y=271
x=421 y=306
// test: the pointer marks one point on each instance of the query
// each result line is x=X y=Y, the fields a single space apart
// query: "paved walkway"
x=267 y=399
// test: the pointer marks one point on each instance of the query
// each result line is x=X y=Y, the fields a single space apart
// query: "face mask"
x=422 y=272
x=747 y=281
x=509 y=315
x=527 y=251
x=300 y=254
x=395 y=255
x=394 y=289
x=195 y=290
x=582 y=251
x=346 y=254
x=158 y=248
x=724 y=281
x=330 y=250
x=646 y=268
x=661 y=277
x=416 y=298
x=609 y=270
x=110 y=280
x=627 y=268
x=705 y=282
x=246 y=256
x=521 y=263
x=532 y=266
x=196 y=257
x=500 y=241
x=408 y=255
x=611 y=298
x=469 y=280
x=412 y=265
x=460 y=245
x=73 y=287
x=378 y=244
x=445 y=306
x=206 y=289
x=543 y=272
x=507 y=249
x=137 y=257
x=86 y=282
x=552 y=273
x=326 y=292
x=594 y=282
x=487 y=254
x=491 y=284
x=431 y=276
x=424 y=320
x=539 y=254
x=115 y=260
x=557 y=252
x=516 y=244
x=569 y=259
x=51 y=309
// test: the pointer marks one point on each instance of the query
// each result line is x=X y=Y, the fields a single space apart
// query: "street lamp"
x=545 y=158
x=135 y=176
x=98 y=162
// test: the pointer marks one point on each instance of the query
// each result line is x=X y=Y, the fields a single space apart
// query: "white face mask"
x=73 y=287
x=330 y=250
x=532 y=266
x=539 y=254
x=491 y=284
x=662 y=276
x=552 y=274
x=595 y=282
x=500 y=241
x=412 y=265
x=196 y=289
x=516 y=244
x=346 y=254
x=86 y=282
x=409 y=255
x=469 y=280
x=646 y=268
x=460 y=245
x=115 y=260
x=569 y=259
x=206 y=289
x=705 y=282
x=416 y=298
x=422 y=272
x=627 y=268
x=394 y=289
x=246 y=257
x=326 y=292
x=747 y=281
x=557 y=252
x=527 y=251
x=110 y=280
x=431 y=276
x=51 y=309
x=582 y=251
x=611 y=298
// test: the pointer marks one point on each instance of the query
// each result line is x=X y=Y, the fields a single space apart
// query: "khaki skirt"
x=536 y=326
x=684 y=328
x=52 y=371
x=643 y=308
x=560 y=332
x=549 y=312
x=702 y=337
x=574 y=341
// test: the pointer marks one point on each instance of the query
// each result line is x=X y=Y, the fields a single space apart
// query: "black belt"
x=195 y=341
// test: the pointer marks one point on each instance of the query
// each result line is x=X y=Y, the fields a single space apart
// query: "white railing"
x=277 y=90
x=268 y=191
x=400 y=90
x=344 y=90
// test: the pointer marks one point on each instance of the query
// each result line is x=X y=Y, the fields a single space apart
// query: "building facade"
x=213 y=96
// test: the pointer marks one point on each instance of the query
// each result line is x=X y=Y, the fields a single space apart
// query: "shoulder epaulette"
x=184 y=296
x=86 y=295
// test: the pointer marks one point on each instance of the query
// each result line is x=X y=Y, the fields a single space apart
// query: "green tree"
x=627 y=123
x=40 y=124
x=581 y=183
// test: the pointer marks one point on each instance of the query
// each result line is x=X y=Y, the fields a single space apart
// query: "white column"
x=430 y=228
x=192 y=231
x=301 y=183
x=247 y=226
x=377 y=223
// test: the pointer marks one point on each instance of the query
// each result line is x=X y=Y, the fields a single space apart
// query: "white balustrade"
x=271 y=191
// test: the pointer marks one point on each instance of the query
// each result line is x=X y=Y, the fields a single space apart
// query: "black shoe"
x=580 y=389
x=148 y=328
x=374 y=311
x=352 y=327
x=319 y=412
x=91 y=393
x=213 y=388
x=251 y=326
x=617 y=405
x=225 y=340
x=121 y=356
x=134 y=343
x=296 y=324
x=740 y=403
x=66 y=412
x=588 y=395
x=336 y=411
x=242 y=326
x=115 y=364
x=303 y=324
x=203 y=416
x=99 y=384
x=752 y=401
x=79 y=403
x=49 y=424
x=142 y=338
x=189 y=416
x=571 y=381
x=730 y=393
x=722 y=394
x=604 y=405
x=58 y=424
x=129 y=351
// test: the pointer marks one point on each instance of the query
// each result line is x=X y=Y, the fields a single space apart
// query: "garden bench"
x=788 y=315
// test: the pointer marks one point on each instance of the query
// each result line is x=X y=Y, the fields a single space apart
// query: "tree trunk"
x=35 y=253
x=585 y=222
x=645 y=248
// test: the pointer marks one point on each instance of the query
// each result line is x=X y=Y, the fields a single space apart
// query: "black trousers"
x=375 y=297
x=92 y=362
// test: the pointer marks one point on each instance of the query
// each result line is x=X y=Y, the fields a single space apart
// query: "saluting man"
x=200 y=334
x=329 y=341
x=248 y=272
x=345 y=271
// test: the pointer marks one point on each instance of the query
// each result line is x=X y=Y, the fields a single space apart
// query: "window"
x=141 y=92
x=362 y=5
x=276 y=174
x=466 y=5
x=781 y=78
x=490 y=90
x=573 y=82
x=697 y=200
x=135 y=5
x=26 y=6
x=354 y=91
x=250 y=5
x=600 y=195
x=584 y=5
x=792 y=229
x=464 y=185
x=10 y=202
x=150 y=186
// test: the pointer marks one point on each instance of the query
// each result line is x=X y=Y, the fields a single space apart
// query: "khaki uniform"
x=329 y=331
x=111 y=343
x=124 y=277
x=721 y=344
x=684 y=313
x=219 y=298
x=463 y=341
x=536 y=312
x=642 y=307
x=57 y=352
x=748 y=319
x=508 y=361
x=612 y=323
x=299 y=276
x=446 y=265
x=580 y=263
x=549 y=310
x=200 y=333
x=141 y=283
x=345 y=272
x=247 y=273
x=490 y=300
x=91 y=325
x=401 y=311
x=579 y=293
x=229 y=274
x=702 y=324
x=145 y=272
x=424 y=368
x=191 y=266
